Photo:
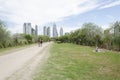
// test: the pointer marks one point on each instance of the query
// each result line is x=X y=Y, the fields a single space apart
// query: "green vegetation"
x=93 y=35
x=7 y=40
x=75 y=62
x=44 y=38
x=89 y=34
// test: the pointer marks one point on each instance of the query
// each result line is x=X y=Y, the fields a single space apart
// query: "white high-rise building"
x=48 y=31
x=33 y=31
x=61 y=31
x=45 y=31
x=27 y=28
x=55 y=33
x=36 y=30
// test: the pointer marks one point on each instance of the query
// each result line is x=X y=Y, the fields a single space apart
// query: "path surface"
x=20 y=65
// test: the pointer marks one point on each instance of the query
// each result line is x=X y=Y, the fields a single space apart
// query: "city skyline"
x=52 y=31
x=46 y=31
x=28 y=29
x=70 y=14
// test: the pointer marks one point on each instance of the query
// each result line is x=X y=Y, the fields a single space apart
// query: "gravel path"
x=20 y=65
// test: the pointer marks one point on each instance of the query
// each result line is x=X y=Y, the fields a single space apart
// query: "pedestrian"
x=41 y=42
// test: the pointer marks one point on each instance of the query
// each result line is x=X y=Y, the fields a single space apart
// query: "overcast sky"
x=69 y=14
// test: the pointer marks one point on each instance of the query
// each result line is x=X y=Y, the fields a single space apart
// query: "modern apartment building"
x=27 y=29
x=36 y=30
x=45 y=31
x=48 y=31
x=61 y=31
x=55 y=33
x=33 y=31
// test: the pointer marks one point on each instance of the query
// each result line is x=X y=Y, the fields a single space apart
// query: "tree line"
x=91 y=34
x=8 y=40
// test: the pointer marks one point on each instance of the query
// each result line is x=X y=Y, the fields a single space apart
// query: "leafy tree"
x=4 y=35
x=91 y=34
x=44 y=38
x=107 y=39
x=117 y=41
x=28 y=38
x=116 y=27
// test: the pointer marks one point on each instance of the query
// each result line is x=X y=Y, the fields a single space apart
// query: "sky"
x=68 y=14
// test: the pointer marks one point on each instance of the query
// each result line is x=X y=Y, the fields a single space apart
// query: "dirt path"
x=21 y=65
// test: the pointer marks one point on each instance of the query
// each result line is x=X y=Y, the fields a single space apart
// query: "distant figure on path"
x=41 y=42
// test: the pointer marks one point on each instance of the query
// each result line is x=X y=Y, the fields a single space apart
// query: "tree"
x=116 y=26
x=108 y=38
x=28 y=38
x=4 y=35
x=44 y=38
x=91 y=34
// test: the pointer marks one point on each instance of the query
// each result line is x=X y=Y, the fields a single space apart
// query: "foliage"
x=117 y=41
x=28 y=38
x=44 y=38
x=4 y=35
x=116 y=38
x=7 y=40
x=90 y=34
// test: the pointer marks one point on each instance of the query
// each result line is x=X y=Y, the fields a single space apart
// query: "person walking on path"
x=41 y=42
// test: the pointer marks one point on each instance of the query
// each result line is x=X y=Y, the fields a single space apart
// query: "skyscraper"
x=33 y=31
x=45 y=31
x=61 y=31
x=55 y=33
x=48 y=31
x=36 y=30
x=27 y=28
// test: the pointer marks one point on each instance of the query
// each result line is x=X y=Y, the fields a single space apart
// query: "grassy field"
x=12 y=49
x=75 y=62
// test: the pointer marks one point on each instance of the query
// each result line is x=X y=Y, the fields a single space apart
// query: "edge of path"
x=28 y=70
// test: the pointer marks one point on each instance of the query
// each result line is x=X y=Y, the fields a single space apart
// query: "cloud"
x=42 y=11
x=115 y=3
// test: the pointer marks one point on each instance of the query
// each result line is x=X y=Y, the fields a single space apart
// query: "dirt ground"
x=20 y=65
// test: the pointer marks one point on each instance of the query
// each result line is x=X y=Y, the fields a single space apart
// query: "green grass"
x=4 y=51
x=74 y=62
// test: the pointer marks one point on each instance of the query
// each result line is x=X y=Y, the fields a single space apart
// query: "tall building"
x=61 y=31
x=55 y=33
x=45 y=31
x=117 y=30
x=27 y=28
x=36 y=30
x=48 y=31
x=33 y=31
